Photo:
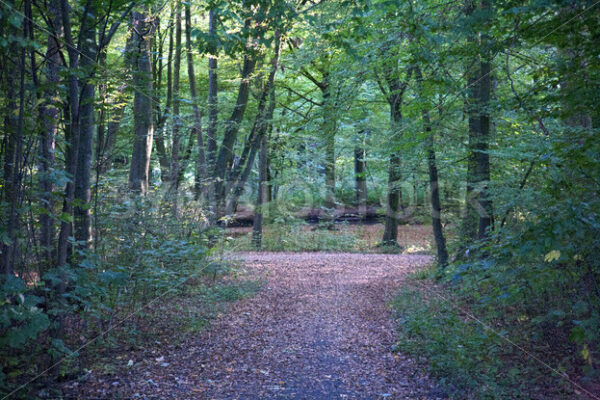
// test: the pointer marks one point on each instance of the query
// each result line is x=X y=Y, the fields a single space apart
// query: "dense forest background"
x=134 y=133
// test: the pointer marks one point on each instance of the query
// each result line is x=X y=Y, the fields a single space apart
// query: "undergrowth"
x=151 y=273
x=470 y=359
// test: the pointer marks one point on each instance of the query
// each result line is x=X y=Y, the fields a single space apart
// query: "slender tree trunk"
x=225 y=155
x=161 y=126
x=113 y=124
x=329 y=128
x=469 y=221
x=143 y=122
x=390 y=233
x=434 y=186
x=49 y=114
x=261 y=126
x=436 y=208
x=101 y=118
x=257 y=226
x=213 y=112
x=200 y=164
x=177 y=123
x=483 y=155
x=83 y=194
x=12 y=162
x=72 y=133
x=360 y=178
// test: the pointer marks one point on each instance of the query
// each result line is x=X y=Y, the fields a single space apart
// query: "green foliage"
x=538 y=275
x=459 y=352
x=143 y=254
x=22 y=322
x=469 y=360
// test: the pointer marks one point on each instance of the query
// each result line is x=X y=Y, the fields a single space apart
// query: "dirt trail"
x=319 y=329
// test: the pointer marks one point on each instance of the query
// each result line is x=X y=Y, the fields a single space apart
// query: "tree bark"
x=477 y=218
x=72 y=134
x=83 y=194
x=161 y=125
x=200 y=164
x=177 y=123
x=113 y=124
x=261 y=125
x=394 y=95
x=13 y=125
x=483 y=155
x=390 y=233
x=49 y=114
x=329 y=128
x=257 y=226
x=434 y=186
x=143 y=122
x=232 y=126
x=213 y=100
x=360 y=179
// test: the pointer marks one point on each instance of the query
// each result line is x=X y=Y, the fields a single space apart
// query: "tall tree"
x=13 y=126
x=232 y=126
x=241 y=171
x=177 y=121
x=478 y=213
x=213 y=107
x=88 y=50
x=360 y=176
x=393 y=89
x=49 y=114
x=143 y=121
x=434 y=182
x=200 y=165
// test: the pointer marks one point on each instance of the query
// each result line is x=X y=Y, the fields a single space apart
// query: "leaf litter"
x=320 y=328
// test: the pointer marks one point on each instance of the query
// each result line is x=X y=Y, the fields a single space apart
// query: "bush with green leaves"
x=538 y=275
x=142 y=252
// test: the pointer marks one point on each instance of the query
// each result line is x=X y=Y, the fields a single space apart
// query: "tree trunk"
x=72 y=134
x=83 y=194
x=200 y=164
x=261 y=125
x=49 y=114
x=161 y=126
x=13 y=125
x=213 y=111
x=477 y=219
x=436 y=208
x=143 y=123
x=390 y=233
x=213 y=100
x=360 y=178
x=329 y=128
x=113 y=124
x=469 y=220
x=177 y=123
x=434 y=186
x=225 y=155
x=483 y=156
x=262 y=186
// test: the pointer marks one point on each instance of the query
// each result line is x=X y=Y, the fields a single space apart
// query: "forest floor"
x=320 y=328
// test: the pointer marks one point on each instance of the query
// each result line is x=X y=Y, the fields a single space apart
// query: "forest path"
x=319 y=329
